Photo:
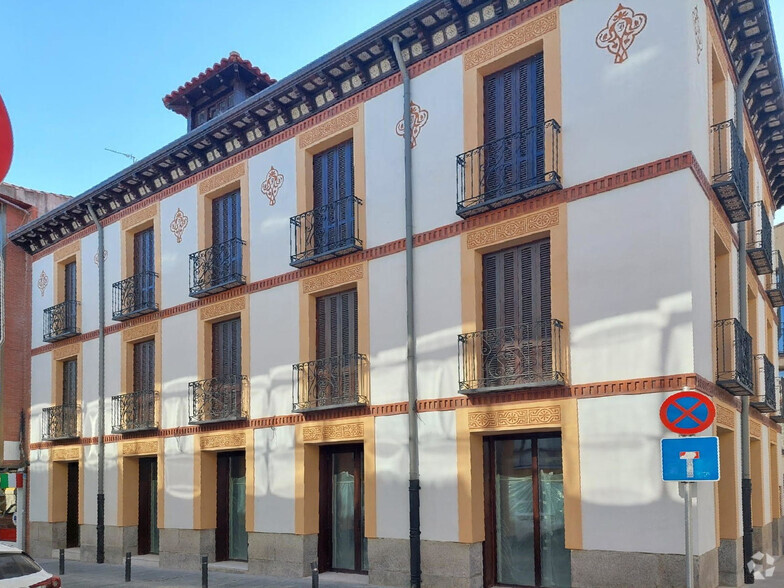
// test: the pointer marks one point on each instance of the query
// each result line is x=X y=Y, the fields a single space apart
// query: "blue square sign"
x=690 y=459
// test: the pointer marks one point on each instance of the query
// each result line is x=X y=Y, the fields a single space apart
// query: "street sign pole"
x=689 y=554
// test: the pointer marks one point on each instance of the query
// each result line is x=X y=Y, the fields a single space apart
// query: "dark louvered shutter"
x=514 y=127
x=227 y=260
x=333 y=187
x=336 y=324
x=69 y=382
x=70 y=281
x=144 y=265
x=144 y=366
x=226 y=348
x=517 y=345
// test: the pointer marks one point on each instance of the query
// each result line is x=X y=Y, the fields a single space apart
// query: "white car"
x=19 y=570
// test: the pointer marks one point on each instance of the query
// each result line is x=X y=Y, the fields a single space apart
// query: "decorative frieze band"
x=66 y=351
x=725 y=417
x=511 y=40
x=138 y=217
x=329 y=127
x=495 y=419
x=333 y=432
x=518 y=227
x=223 y=441
x=721 y=229
x=140 y=331
x=222 y=308
x=67 y=251
x=326 y=280
x=222 y=178
x=140 y=448
x=66 y=453
x=755 y=429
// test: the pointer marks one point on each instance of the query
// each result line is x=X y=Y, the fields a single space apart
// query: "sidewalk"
x=145 y=574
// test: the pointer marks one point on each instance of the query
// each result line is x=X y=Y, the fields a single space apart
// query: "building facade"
x=576 y=178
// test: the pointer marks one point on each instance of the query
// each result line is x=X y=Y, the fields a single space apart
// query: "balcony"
x=60 y=321
x=760 y=244
x=730 y=171
x=733 y=358
x=60 y=422
x=332 y=382
x=775 y=286
x=134 y=412
x=134 y=296
x=520 y=356
x=325 y=232
x=765 y=398
x=778 y=416
x=515 y=168
x=216 y=268
x=223 y=398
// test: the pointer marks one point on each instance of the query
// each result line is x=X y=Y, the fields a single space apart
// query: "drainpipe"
x=743 y=318
x=413 y=436
x=99 y=552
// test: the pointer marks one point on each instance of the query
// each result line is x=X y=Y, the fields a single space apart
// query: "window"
x=144 y=366
x=333 y=198
x=69 y=391
x=514 y=127
x=226 y=349
x=226 y=237
x=336 y=348
x=517 y=346
x=69 y=273
x=144 y=266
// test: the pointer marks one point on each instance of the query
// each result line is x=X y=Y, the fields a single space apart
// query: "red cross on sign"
x=687 y=412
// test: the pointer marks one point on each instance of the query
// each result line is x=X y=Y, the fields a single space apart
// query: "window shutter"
x=144 y=366
x=144 y=251
x=69 y=382
x=490 y=291
x=226 y=218
x=227 y=348
x=336 y=324
x=70 y=281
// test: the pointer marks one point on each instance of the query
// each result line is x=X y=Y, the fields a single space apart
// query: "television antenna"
x=128 y=155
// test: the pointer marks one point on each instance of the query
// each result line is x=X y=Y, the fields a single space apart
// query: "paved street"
x=145 y=574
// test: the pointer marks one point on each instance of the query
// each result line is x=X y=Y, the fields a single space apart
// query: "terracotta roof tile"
x=233 y=57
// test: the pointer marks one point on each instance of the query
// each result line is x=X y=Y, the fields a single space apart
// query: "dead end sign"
x=688 y=412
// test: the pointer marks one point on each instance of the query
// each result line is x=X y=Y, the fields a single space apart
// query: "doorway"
x=148 y=505
x=231 y=534
x=342 y=545
x=525 y=533
x=72 y=506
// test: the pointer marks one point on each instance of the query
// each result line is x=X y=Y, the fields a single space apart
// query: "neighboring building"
x=17 y=206
x=255 y=347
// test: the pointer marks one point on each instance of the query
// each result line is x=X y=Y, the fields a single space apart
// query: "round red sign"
x=687 y=412
x=6 y=141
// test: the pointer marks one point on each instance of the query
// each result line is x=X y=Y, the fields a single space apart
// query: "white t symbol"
x=690 y=456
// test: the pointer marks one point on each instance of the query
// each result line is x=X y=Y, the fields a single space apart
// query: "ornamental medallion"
x=272 y=184
x=178 y=225
x=622 y=28
x=419 y=118
x=43 y=282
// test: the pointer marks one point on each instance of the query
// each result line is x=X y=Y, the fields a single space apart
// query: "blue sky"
x=82 y=75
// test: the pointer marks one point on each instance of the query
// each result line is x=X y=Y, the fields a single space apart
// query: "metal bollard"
x=204 y=581
x=314 y=578
x=128 y=566
x=62 y=561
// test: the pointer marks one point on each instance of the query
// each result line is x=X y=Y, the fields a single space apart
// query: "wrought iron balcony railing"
x=508 y=170
x=216 y=268
x=134 y=296
x=134 y=412
x=775 y=287
x=325 y=232
x=764 y=399
x=519 y=356
x=332 y=382
x=60 y=321
x=60 y=422
x=760 y=243
x=733 y=358
x=778 y=415
x=223 y=398
x=730 y=177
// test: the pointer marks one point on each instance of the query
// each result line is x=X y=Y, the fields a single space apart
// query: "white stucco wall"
x=89 y=274
x=438 y=476
x=174 y=255
x=274 y=316
x=625 y=504
x=437 y=317
x=392 y=477
x=179 y=347
x=89 y=383
x=274 y=488
x=269 y=224
x=38 y=484
x=178 y=482
x=41 y=299
x=40 y=391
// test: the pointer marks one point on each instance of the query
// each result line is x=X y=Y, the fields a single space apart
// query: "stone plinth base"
x=281 y=554
x=183 y=548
